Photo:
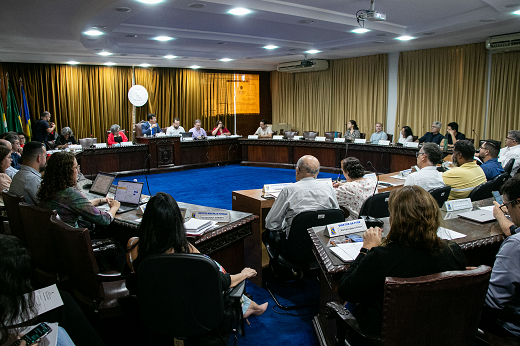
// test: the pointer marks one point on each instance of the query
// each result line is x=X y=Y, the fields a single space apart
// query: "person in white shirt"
x=264 y=131
x=406 y=135
x=427 y=177
x=306 y=194
x=175 y=129
x=378 y=135
x=511 y=151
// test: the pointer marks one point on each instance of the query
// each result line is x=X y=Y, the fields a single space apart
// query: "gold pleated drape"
x=354 y=88
x=504 y=95
x=442 y=84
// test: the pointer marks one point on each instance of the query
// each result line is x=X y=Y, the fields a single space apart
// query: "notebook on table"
x=100 y=186
x=128 y=193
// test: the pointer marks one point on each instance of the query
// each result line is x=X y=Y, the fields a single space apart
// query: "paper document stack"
x=196 y=227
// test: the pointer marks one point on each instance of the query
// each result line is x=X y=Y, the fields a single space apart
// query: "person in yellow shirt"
x=466 y=175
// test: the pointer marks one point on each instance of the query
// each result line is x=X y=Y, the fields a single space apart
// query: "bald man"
x=306 y=194
x=10 y=171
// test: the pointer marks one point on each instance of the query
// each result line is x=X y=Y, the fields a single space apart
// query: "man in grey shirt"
x=306 y=194
x=28 y=179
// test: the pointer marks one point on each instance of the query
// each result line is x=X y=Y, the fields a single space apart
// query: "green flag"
x=3 y=122
x=14 y=122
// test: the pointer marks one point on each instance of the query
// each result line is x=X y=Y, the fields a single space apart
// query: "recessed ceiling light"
x=305 y=21
x=194 y=67
x=123 y=9
x=313 y=51
x=163 y=38
x=239 y=11
x=360 y=31
x=196 y=5
x=110 y=63
x=98 y=27
x=517 y=12
x=170 y=56
x=145 y=65
x=72 y=62
x=150 y=1
x=104 y=53
x=405 y=38
x=270 y=47
x=93 y=33
x=226 y=59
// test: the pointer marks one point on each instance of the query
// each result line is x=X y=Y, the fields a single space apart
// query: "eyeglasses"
x=418 y=153
x=503 y=207
x=511 y=139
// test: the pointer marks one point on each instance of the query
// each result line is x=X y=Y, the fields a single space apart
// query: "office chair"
x=441 y=194
x=390 y=137
x=482 y=191
x=295 y=252
x=437 y=309
x=498 y=181
x=376 y=205
x=362 y=135
x=331 y=135
x=310 y=134
x=11 y=202
x=180 y=296
x=290 y=134
x=509 y=166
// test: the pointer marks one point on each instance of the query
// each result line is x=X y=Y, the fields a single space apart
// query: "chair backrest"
x=390 y=137
x=376 y=205
x=310 y=134
x=290 y=134
x=414 y=138
x=436 y=309
x=138 y=130
x=441 y=194
x=498 y=181
x=13 y=214
x=87 y=142
x=472 y=140
x=482 y=191
x=179 y=294
x=362 y=135
x=332 y=135
x=78 y=259
x=509 y=166
x=41 y=242
x=299 y=244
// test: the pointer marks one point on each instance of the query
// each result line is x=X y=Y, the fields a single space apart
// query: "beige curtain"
x=504 y=95
x=354 y=88
x=443 y=84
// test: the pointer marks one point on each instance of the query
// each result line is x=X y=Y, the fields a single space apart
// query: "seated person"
x=411 y=248
x=176 y=128
x=406 y=135
x=352 y=132
x=306 y=194
x=65 y=138
x=379 y=134
x=511 y=151
x=353 y=193
x=12 y=137
x=5 y=162
x=488 y=154
x=452 y=135
x=466 y=175
x=150 y=127
x=58 y=192
x=427 y=177
x=501 y=314
x=264 y=131
x=27 y=181
x=116 y=136
x=162 y=231
x=197 y=131
x=21 y=138
x=220 y=129
x=433 y=136
x=15 y=282
x=10 y=171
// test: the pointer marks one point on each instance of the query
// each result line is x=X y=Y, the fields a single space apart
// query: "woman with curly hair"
x=353 y=193
x=58 y=192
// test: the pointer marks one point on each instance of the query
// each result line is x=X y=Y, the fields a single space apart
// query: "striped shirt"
x=463 y=179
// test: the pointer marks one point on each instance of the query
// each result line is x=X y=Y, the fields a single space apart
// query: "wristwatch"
x=512 y=229
x=363 y=250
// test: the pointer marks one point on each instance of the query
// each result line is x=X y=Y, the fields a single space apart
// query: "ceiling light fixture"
x=110 y=63
x=517 y=13
x=72 y=62
x=104 y=53
x=226 y=59
x=270 y=47
x=163 y=38
x=145 y=65
x=313 y=51
x=170 y=56
x=93 y=33
x=194 y=67
x=360 y=31
x=150 y=1
x=405 y=38
x=239 y=11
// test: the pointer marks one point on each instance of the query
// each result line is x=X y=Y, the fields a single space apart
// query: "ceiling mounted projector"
x=371 y=15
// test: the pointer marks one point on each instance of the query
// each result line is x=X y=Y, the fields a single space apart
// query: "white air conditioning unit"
x=503 y=43
x=303 y=66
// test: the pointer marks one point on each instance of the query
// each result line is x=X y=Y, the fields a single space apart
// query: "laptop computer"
x=128 y=193
x=100 y=186
x=186 y=134
x=479 y=215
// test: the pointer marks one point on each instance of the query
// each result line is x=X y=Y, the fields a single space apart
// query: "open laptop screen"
x=128 y=192
x=102 y=183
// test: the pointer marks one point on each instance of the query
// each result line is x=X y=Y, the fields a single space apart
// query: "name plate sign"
x=100 y=145
x=126 y=144
x=222 y=136
x=320 y=139
x=341 y=140
x=297 y=137
x=458 y=204
x=343 y=228
x=411 y=145
x=219 y=216
x=360 y=141
x=278 y=137
x=187 y=139
x=75 y=146
x=383 y=142
x=274 y=187
x=252 y=137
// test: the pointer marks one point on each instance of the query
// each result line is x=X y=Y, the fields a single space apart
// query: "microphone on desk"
x=369 y=220
x=377 y=176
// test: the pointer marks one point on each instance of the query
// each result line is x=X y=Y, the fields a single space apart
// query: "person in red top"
x=116 y=136
x=220 y=129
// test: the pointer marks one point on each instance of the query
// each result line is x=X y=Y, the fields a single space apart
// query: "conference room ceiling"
x=203 y=32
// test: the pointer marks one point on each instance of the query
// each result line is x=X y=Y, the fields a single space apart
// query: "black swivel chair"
x=498 y=181
x=441 y=194
x=295 y=252
x=376 y=205
x=180 y=296
x=482 y=191
x=509 y=166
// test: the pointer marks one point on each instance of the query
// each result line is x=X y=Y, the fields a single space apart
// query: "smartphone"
x=34 y=334
x=497 y=196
